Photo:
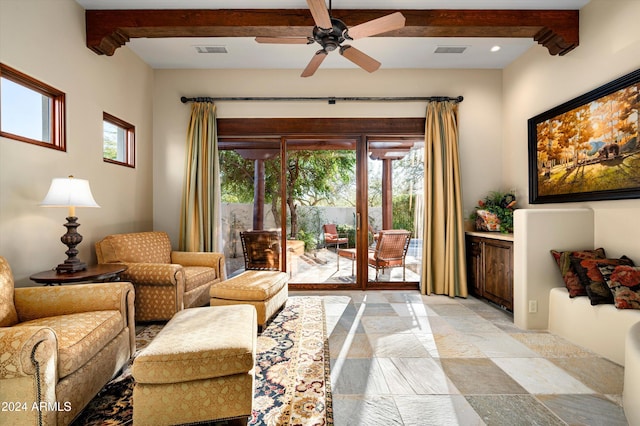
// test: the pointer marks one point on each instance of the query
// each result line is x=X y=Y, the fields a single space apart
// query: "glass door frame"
x=336 y=142
x=255 y=130
x=363 y=192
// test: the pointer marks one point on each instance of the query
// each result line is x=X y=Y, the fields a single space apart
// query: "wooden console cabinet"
x=490 y=267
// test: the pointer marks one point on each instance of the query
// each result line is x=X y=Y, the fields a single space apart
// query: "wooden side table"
x=100 y=273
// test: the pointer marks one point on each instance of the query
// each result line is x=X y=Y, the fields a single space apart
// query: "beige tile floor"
x=401 y=358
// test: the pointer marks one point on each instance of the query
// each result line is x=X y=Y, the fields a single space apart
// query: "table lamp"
x=70 y=192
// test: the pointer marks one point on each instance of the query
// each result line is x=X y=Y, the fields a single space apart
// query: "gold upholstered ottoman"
x=266 y=290
x=200 y=367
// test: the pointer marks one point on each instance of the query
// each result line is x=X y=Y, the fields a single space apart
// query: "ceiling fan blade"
x=320 y=13
x=381 y=25
x=359 y=58
x=284 y=40
x=314 y=63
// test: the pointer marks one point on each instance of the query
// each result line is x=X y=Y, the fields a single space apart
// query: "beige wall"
x=45 y=39
x=480 y=115
x=609 y=48
x=493 y=138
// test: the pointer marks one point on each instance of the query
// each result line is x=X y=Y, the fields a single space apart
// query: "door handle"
x=357 y=221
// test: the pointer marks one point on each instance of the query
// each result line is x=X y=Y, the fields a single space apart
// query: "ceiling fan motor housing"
x=330 y=39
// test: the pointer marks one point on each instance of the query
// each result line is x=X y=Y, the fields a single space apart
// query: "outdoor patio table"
x=349 y=253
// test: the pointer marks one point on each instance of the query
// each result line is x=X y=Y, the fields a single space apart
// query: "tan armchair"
x=165 y=281
x=59 y=346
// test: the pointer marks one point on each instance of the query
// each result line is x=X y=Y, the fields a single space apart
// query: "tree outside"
x=314 y=178
x=321 y=178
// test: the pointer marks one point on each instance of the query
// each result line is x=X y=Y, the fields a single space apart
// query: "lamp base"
x=68 y=268
x=71 y=239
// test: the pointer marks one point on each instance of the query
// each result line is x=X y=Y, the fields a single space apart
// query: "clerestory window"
x=119 y=141
x=30 y=110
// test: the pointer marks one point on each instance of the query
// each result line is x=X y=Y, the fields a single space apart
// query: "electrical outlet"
x=533 y=306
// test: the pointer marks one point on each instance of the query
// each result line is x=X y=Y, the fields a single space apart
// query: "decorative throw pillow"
x=590 y=276
x=625 y=286
x=571 y=281
x=606 y=271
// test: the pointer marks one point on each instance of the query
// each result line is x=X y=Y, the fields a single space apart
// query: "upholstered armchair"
x=59 y=346
x=165 y=281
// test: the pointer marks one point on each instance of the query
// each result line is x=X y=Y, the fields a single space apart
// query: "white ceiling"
x=393 y=52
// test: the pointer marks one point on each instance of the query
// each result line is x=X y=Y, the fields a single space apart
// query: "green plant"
x=502 y=204
x=310 y=241
x=349 y=231
x=403 y=212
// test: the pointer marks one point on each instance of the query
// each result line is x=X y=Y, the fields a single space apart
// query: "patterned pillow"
x=571 y=281
x=590 y=276
x=625 y=286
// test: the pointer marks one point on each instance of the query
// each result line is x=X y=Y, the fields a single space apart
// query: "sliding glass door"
x=251 y=194
x=395 y=211
x=328 y=193
x=320 y=199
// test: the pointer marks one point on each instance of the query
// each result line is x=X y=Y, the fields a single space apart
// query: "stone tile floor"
x=401 y=358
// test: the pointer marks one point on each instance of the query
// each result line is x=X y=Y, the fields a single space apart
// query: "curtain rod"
x=331 y=100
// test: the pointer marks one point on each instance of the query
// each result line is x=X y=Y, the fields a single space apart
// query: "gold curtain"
x=200 y=219
x=443 y=250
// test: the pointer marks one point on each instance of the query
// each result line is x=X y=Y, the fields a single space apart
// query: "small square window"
x=31 y=111
x=118 y=141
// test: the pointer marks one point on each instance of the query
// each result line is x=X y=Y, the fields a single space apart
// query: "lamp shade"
x=69 y=192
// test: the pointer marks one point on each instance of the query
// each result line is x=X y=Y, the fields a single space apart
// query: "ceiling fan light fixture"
x=331 y=32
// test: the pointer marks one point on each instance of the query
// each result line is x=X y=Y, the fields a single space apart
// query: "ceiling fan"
x=330 y=33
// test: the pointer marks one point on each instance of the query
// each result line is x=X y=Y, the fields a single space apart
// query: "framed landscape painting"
x=588 y=149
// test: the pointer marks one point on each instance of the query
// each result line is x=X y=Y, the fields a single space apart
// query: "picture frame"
x=588 y=148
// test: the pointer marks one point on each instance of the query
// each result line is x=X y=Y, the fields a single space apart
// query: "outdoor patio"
x=321 y=266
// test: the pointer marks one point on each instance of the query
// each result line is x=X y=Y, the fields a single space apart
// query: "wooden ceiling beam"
x=107 y=30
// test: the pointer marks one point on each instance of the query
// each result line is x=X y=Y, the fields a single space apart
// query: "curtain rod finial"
x=184 y=99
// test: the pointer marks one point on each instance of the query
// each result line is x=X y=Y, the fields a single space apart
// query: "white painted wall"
x=480 y=115
x=609 y=48
x=45 y=39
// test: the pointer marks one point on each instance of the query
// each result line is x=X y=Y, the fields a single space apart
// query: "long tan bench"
x=267 y=291
x=200 y=367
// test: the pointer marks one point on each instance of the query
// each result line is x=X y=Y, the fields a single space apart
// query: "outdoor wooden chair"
x=374 y=234
x=261 y=250
x=391 y=251
x=332 y=238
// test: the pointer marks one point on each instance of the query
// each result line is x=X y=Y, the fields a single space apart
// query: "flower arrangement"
x=495 y=212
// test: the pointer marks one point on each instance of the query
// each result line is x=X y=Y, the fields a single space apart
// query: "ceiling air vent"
x=450 y=49
x=211 y=49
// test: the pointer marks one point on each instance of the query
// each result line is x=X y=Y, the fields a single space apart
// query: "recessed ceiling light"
x=495 y=48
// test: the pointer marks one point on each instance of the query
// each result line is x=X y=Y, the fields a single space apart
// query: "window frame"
x=130 y=140
x=57 y=115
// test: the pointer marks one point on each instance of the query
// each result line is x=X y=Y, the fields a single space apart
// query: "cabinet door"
x=498 y=280
x=474 y=266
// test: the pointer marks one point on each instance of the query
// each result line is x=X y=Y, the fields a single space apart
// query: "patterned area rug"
x=291 y=379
